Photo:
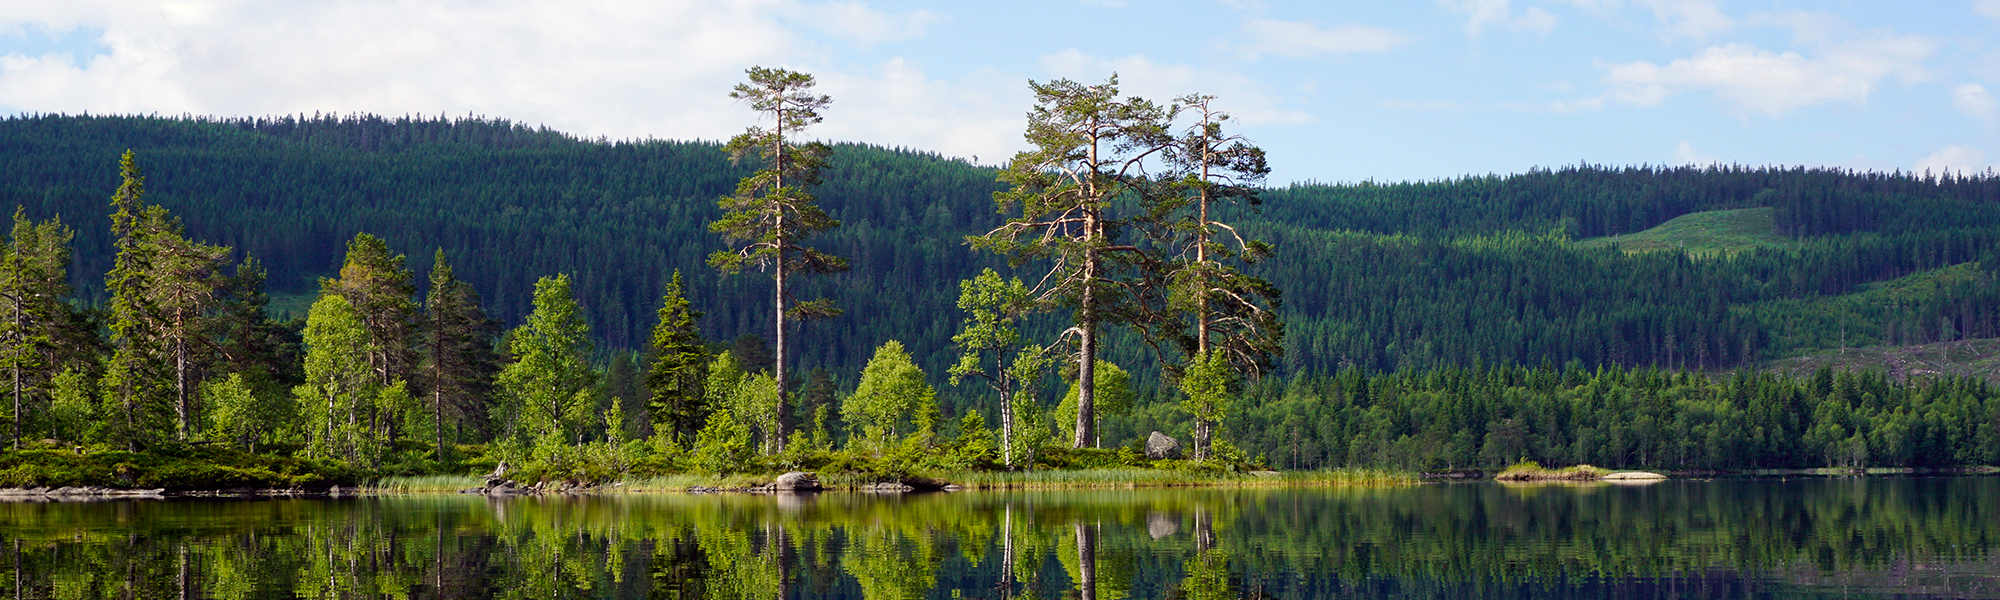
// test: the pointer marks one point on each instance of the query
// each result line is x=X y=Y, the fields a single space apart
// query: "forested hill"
x=1473 y=270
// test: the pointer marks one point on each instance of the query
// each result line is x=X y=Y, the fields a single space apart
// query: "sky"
x=1333 y=91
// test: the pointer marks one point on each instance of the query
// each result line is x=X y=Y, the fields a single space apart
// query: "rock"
x=1159 y=524
x=797 y=481
x=1162 y=446
x=1634 y=476
x=1265 y=473
x=924 y=484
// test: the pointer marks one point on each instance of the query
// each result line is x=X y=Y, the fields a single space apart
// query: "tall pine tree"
x=772 y=213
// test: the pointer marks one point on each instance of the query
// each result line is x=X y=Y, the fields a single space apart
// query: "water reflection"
x=1860 y=537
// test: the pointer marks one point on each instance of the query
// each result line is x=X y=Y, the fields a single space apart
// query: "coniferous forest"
x=421 y=294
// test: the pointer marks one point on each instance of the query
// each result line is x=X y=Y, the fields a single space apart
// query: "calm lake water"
x=1902 y=537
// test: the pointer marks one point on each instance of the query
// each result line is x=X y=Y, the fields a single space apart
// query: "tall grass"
x=422 y=484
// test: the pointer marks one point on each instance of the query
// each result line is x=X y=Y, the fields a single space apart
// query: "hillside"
x=1702 y=234
x=1381 y=277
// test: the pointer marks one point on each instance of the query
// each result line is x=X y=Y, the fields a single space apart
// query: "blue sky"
x=1335 y=91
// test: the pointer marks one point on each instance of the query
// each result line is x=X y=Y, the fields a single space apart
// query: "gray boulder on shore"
x=1160 y=446
x=797 y=481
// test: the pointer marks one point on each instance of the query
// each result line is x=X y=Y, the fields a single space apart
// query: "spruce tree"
x=459 y=363
x=33 y=280
x=163 y=289
x=678 y=369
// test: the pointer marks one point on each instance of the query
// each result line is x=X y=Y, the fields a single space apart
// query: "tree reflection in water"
x=1906 y=537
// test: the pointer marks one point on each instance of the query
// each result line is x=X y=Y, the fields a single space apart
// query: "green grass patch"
x=1529 y=470
x=195 y=468
x=1707 y=233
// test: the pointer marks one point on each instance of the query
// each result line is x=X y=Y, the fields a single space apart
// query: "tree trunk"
x=1086 y=360
x=1086 y=561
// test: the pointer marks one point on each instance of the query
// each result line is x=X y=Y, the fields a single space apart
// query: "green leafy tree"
x=459 y=361
x=891 y=402
x=679 y=368
x=1090 y=147
x=1206 y=386
x=551 y=381
x=755 y=402
x=339 y=384
x=239 y=415
x=772 y=213
x=1113 y=390
x=990 y=337
x=722 y=445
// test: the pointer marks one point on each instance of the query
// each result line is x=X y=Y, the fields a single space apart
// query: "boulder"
x=1162 y=446
x=797 y=481
x=1159 y=524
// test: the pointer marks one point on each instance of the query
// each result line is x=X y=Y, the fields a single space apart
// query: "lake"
x=1802 y=537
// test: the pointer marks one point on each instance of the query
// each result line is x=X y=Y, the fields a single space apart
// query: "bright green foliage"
x=991 y=333
x=772 y=213
x=1206 y=386
x=339 y=387
x=73 y=413
x=679 y=367
x=891 y=402
x=241 y=416
x=551 y=385
x=1113 y=392
x=722 y=446
x=755 y=402
x=1089 y=147
x=724 y=376
x=232 y=410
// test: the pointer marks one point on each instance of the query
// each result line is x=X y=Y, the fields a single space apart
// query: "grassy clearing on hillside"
x=1823 y=325
x=1708 y=233
x=1966 y=358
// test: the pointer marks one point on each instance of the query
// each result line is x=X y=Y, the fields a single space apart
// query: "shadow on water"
x=1910 y=537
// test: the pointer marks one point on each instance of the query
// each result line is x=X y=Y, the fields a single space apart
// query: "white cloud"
x=1954 y=159
x=591 y=67
x=1973 y=100
x=1481 y=13
x=1987 y=8
x=1687 y=155
x=897 y=105
x=1756 y=80
x=1159 y=82
x=1697 y=19
x=1294 y=39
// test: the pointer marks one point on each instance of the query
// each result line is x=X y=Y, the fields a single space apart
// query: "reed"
x=422 y=484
